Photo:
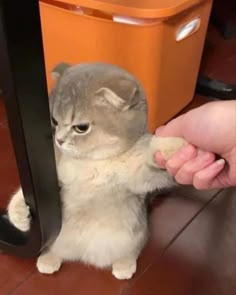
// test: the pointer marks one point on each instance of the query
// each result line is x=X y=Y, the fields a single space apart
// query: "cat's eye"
x=82 y=128
x=54 y=121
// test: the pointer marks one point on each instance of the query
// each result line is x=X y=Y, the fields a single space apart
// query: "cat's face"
x=98 y=111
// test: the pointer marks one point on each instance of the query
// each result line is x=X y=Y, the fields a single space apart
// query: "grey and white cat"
x=105 y=166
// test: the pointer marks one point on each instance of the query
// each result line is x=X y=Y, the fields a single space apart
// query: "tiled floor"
x=192 y=249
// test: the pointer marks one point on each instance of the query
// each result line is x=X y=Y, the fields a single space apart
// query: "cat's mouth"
x=64 y=148
x=59 y=145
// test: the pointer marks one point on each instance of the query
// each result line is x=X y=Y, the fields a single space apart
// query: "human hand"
x=211 y=132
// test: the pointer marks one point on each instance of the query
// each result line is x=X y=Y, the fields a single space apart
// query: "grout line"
x=176 y=236
x=22 y=282
x=190 y=221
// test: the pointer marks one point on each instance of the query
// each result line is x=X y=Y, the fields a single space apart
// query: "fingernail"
x=220 y=162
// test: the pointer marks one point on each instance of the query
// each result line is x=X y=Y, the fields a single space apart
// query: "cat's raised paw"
x=48 y=263
x=124 y=270
x=18 y=212
x=166 y=145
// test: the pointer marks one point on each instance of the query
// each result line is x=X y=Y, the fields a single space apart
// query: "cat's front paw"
x=166 y=145
x=124 y=269
x=18 y=212
x=48 y=263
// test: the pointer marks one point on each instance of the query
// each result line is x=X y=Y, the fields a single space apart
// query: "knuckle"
x=182 y=178
x=200 y=183
x=188 y=170
x=171 y=167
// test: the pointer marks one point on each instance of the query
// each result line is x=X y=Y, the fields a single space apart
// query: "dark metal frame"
x=22 y=79
x=216 y=89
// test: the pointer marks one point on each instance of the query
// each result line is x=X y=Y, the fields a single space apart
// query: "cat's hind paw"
x=18 y=212
x=124 y=269
x=48 y=263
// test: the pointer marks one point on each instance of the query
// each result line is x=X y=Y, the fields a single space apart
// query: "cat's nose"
x=60 y=141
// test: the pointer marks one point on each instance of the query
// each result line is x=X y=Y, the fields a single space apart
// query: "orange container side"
x=166 y=68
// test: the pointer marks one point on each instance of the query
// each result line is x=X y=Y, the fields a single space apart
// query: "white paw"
x=18 y=212
x=48 y=263
x=166 y=145
x=124 y=270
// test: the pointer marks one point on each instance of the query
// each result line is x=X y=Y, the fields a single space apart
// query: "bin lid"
x=138 y=8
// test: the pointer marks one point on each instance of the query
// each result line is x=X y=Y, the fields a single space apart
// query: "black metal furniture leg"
x=215 y=88
x=22 y=79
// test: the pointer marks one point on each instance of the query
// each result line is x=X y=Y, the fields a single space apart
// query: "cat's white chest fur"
x=85 y=173
x=97 y=207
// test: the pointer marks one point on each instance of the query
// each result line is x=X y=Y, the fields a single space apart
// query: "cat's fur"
x=104 y=174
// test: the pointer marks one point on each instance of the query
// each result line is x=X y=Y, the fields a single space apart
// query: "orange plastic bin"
x=160 y=42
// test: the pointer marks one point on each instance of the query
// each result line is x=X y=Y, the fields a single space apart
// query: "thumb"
x=174 y=128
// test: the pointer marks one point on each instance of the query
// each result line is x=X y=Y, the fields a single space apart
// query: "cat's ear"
x=122 y=95
x=59 y=69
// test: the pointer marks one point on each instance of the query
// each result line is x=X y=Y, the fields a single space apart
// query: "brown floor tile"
x=9 y=179
x=169 y=216
x=202 y=260
x=13 y=271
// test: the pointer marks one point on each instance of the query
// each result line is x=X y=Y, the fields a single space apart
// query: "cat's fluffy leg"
x=148 y=175
x=124 y=268
x=18 y=212
x=48 y=262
